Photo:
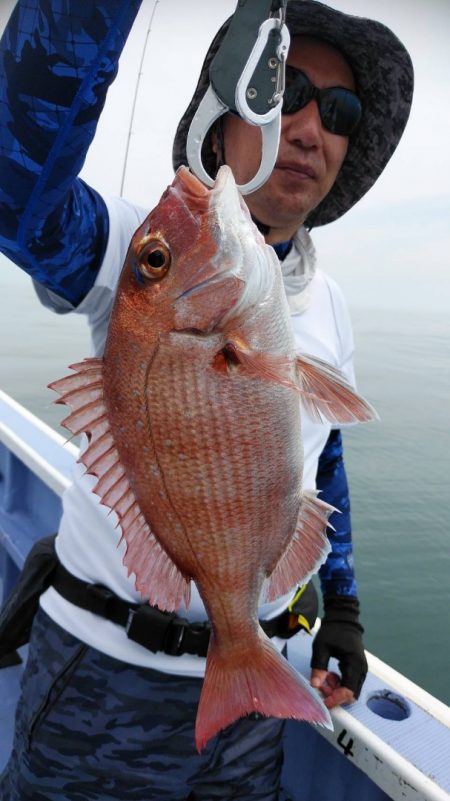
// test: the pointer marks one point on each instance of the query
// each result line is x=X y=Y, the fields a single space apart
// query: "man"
x=103 y=716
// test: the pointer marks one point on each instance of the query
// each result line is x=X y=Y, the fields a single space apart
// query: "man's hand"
x=340 y=636
x=330 y=685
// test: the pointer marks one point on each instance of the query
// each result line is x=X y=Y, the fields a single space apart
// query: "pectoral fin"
x=277 y=369
x=326 y=393
x=323 y=389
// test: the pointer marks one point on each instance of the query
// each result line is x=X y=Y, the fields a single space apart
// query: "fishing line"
x=136 y=92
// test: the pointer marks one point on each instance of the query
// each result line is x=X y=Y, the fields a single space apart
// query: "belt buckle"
x=99 y=597
x=156 y=630
x=175 y=637
x=137 y=628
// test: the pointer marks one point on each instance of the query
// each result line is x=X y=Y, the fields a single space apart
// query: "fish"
x=193 y=422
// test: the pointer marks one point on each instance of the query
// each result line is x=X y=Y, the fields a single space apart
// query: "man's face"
x=309 y=156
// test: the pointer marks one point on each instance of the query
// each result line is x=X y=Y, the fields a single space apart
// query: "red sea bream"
x=193 y=418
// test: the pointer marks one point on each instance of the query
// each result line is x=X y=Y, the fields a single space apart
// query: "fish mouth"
x=241 y=264
x=191 y=183
x=197 y=188
x=225 y=206
x=223 y=178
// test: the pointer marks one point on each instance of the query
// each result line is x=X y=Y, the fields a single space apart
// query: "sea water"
x=398 y=468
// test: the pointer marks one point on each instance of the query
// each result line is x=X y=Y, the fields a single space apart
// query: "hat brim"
x=384 y=79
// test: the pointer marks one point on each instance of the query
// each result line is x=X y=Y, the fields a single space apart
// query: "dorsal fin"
x=157 y=576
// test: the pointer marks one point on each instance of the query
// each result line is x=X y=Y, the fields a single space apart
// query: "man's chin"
x=277 y=206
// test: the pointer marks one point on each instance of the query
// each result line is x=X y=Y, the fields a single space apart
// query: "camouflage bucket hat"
x=384 y=79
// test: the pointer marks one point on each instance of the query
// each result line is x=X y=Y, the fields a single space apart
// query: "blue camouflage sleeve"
x=337 y=575
x=57 y=61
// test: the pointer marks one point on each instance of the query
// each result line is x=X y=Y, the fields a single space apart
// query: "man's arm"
x=57 y=61
x=340 y=634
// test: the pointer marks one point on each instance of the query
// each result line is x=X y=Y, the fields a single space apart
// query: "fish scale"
x=221 y=459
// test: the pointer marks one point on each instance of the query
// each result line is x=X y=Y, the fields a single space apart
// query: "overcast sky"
x=392 y=248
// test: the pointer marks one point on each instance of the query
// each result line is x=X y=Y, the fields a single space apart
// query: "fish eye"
x=153 y=259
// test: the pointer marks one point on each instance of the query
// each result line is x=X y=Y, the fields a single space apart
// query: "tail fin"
x=261 y=681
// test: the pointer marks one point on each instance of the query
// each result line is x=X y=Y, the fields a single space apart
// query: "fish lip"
x=295 y=166
x=223 y=177
x=191 y=183
x=197 y=188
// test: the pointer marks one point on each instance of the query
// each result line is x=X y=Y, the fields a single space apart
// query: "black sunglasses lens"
x=340 y=111
x=298 y=91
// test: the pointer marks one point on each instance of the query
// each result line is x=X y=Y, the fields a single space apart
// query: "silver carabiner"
x=242 y=88
x=212 y=107
x=209 y=110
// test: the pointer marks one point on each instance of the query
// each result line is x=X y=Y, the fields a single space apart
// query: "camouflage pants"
x=91 y=728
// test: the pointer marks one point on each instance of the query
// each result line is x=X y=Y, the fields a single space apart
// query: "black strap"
x=145 y=624
x=17 y=614
x=148 y=625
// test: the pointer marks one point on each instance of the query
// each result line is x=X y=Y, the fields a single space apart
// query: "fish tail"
x=260 y=681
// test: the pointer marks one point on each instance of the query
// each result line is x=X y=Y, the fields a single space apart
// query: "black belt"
x=148 y=625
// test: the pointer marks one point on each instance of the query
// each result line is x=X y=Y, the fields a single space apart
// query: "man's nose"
x=304 y=126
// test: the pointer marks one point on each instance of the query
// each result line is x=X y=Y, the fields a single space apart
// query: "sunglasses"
x=340 y=109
